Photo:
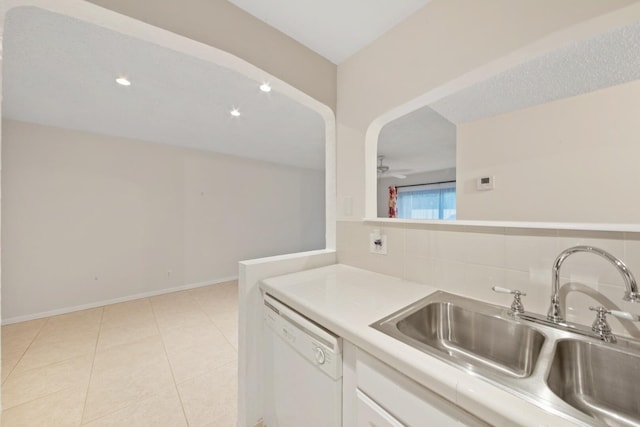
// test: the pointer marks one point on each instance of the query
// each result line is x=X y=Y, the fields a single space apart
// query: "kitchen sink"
x=600 y=380
x=582 y=373
x=566 y=370
x=469 y=333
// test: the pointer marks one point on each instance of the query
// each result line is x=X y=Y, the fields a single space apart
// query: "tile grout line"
x=101 y=329
x=173 y=377
x=215 y=325
x=93 y=360
x=113 y=411
x=38 y=367
x=25 y=351
x=44 y=366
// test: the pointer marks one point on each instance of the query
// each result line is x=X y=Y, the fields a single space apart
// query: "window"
x=428 y=201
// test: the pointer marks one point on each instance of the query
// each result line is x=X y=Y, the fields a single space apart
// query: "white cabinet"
x=384 y=397
x=370 y=414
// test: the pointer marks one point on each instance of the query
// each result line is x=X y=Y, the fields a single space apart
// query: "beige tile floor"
x=169 y=360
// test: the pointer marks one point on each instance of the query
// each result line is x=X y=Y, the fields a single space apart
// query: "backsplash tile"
x=417 y=269
x=538 y=292
x=485 y=249
x=418 y=242
x=595 y=267
x=395 y=240
x=448 y=245
x=524 y=252
x=615 y=294
x=577 y=308
x=479 y=279
x=469 y=260
x=448 y=275
x=632 y=253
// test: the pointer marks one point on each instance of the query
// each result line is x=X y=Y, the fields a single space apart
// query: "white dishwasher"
x=302 y=370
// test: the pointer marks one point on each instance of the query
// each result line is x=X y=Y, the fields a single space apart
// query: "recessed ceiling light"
x=123 y=81
x=265 y=87
x=235 y=112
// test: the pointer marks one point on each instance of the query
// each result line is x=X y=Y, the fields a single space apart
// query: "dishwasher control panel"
x=317 y=345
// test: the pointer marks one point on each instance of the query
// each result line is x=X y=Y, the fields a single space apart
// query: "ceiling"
x=336 y=29
x=401 y=142
x=609 y=59
x=60 y=71
x=422 y=140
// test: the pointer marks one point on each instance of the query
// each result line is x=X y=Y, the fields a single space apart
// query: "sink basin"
x=474 y=338
x=598 y=380
x=467 y=332
x=561 y=368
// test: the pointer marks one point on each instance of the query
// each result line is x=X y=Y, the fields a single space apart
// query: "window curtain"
x=427 y=202
x=393 y=202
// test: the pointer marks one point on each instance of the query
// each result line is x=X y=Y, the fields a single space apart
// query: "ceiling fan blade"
x=397 y=175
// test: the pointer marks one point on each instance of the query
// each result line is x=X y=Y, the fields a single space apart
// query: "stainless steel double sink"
x=571 y=375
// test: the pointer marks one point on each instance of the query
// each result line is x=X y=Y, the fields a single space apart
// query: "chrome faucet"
x=631 y=293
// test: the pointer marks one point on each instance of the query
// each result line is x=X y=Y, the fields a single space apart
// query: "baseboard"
x=115 y=300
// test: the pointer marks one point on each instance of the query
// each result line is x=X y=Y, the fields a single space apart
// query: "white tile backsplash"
x=448 y=275
x=577 y=308
x=485 y=249
x=538 y=294
x=417 y=269
x=585 y=264
x=524 y=252
x=447 y=245
x=418 y=242
x=468 y=261
x=395 y=240
x=479 y=279
x=632 y=253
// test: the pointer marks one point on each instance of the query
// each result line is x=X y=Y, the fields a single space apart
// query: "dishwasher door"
x=302 y=370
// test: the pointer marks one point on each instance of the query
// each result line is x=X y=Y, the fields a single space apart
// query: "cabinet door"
x=370 y=414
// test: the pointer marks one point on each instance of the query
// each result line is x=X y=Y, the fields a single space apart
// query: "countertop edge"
x=471 y=393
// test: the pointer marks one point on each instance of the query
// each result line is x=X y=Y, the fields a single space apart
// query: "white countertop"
x=346 y=300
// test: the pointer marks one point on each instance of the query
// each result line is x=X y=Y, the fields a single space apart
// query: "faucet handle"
x=501 y=290
x=516 y=307
x=601 y=326
x=621 y=314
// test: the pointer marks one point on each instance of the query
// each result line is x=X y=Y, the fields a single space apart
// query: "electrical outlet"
x=378 y=243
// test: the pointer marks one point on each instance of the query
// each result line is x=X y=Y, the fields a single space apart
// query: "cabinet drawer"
x=406 y=401
x=370 y=414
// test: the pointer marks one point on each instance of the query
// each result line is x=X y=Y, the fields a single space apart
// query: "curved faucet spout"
x=631 y=292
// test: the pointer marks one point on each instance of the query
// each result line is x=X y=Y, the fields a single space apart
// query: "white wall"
x=414 y=63
x=566 y=161
x=89 y=218
x=439 y=43
x=293 y=70
x=413 y=179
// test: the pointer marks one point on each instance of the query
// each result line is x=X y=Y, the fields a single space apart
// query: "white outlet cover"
x=378 y=249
